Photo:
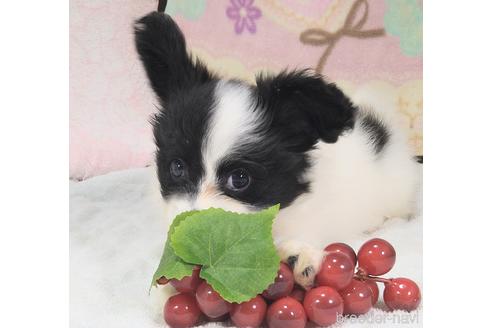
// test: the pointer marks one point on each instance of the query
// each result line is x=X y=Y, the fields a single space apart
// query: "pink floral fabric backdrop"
x=356 y=43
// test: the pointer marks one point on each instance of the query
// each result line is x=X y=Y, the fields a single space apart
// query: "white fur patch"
x=352 y=191
x=233 y=122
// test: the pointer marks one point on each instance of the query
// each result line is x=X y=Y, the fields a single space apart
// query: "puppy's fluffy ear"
x=303 y=108
x=162 y=49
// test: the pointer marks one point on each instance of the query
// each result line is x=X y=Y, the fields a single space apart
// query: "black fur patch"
x=275 y=173
x=292 y=260
x=303 y=108
x=186 y=90
x=377 y=132
x=179 y=131
x=162 y=49
x=307 y=271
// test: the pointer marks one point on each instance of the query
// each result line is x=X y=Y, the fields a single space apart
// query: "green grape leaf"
x=236 y=251
x=171 y=266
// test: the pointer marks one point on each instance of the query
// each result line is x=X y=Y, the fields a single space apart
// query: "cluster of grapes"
x=338 y=291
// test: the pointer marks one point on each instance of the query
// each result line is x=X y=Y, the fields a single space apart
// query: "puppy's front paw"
x=304 y=260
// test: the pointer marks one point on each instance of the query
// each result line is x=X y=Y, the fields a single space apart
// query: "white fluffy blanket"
x=117 y=236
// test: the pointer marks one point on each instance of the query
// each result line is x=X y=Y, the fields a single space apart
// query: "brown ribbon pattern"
x=319 y=37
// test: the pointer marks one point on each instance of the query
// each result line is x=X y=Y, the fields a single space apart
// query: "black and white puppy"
x=291 y=139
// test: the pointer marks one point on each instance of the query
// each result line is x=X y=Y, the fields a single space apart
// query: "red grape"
x=323 y=305
x=286 y=313
x=376 y=257
x=188 y=284
x=250 y=313
x=181 y=311
x=401 y=294
x=336 y=271
x=357 y=298
x=284 y=282
x=210 y=302
x=298 y=293
x=375 y=290
x=344 y=249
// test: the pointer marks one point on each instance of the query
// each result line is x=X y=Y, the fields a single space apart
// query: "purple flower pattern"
x=244 y=13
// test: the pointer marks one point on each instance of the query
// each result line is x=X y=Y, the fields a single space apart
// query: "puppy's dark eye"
x=238 y=180
x=177 y=168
